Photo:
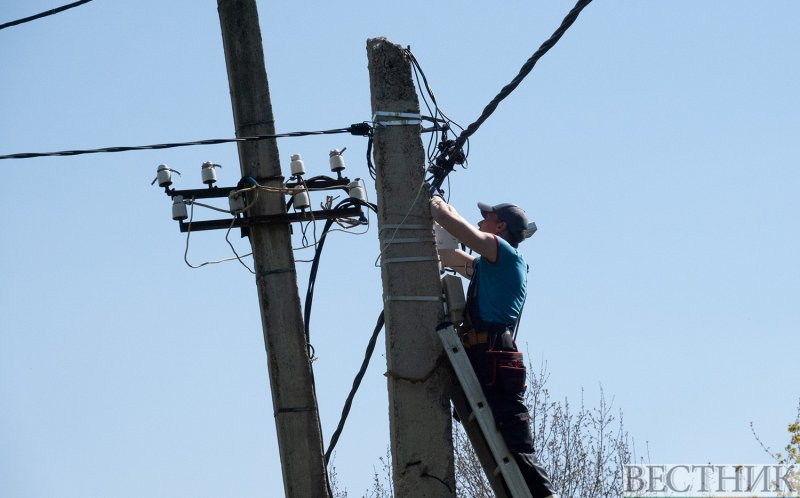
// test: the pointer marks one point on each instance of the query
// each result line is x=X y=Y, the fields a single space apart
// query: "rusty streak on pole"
x=291 y=378
x=419 y=405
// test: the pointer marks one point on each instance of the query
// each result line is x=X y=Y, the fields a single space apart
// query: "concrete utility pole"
x=293 y=396
x=419 y=403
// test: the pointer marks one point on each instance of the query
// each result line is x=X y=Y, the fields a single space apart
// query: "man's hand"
x=438 y=206
x=484 y=244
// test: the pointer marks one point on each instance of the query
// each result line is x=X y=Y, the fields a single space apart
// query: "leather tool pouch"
x=508 y=371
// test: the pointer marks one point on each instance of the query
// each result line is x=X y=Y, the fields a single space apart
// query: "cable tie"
x=413 y=298
x=390 y=114
x=409 y=118
x=411 y=259
x=401 y=122
x=410 y=240
x=407 y=226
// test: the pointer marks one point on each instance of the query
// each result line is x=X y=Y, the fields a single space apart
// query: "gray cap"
x=511 y=214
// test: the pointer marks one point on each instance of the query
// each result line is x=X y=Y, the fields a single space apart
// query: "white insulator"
x=164 y=175
x=356 y=190
x=207 y=170
x=301 y=200
x=179 y=208
x=236 y=202
x=337 y=161
x=297 y=166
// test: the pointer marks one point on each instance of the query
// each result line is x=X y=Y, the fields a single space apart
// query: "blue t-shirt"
x=501 y=285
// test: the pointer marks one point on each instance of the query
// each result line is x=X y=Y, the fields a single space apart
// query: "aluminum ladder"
x=473 y=410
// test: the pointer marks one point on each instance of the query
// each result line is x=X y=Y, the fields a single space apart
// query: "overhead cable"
x=312 y=276
x=524 y=71
x=356 y=383
x=43 y=14
x=452 y=153
x=363 y=129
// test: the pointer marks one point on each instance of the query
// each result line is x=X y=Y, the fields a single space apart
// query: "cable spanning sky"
x=654 y=146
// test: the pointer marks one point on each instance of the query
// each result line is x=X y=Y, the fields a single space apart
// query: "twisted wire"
x=43 y=14
x=526 y=68
x=356 y=129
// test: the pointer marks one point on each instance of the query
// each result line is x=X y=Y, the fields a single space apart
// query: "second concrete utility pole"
x=291 y=379
x=419 y=404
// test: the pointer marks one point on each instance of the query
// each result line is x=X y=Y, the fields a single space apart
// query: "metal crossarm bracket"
x=270 y=219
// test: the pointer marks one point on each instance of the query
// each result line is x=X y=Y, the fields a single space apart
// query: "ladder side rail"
x=483 y=413
x=479 y=443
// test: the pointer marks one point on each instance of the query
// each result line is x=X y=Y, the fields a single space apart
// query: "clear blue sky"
x=655 y=146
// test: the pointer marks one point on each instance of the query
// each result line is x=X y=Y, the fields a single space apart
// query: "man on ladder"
x=495 y=297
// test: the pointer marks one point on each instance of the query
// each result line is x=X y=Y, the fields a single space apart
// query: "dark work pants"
x=513 y=422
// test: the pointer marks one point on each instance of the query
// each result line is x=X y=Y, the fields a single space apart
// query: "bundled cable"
x=312 y=277
x=363 y=129
x=356 y=384
x=43 y=14
x=452 y=153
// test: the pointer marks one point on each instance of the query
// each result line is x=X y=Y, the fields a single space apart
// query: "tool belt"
x=497 y=369
x=473 y=338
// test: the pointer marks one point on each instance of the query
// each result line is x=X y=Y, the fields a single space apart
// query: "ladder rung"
x=503 y=467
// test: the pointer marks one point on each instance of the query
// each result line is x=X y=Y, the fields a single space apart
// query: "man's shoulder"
x=505 y=247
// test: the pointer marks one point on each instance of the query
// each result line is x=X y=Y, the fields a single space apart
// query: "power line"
x=451 y=153
x=524 y=71
x=363 y=129
x=307 y=319
x=44 y=14
x=356 y=383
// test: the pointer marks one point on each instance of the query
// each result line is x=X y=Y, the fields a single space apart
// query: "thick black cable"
x=355 y=129
x=312 y=274
x=43 y=14
x=436 y=112
x=370 y=166
x=451 y=151
x=524 y=71
x=312 y=277
x=356 y=383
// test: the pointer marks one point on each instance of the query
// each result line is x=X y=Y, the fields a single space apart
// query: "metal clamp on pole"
x=405 y=118
x=410 y=240
x=436 y=299
x=410 y=259
x=404 y=226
